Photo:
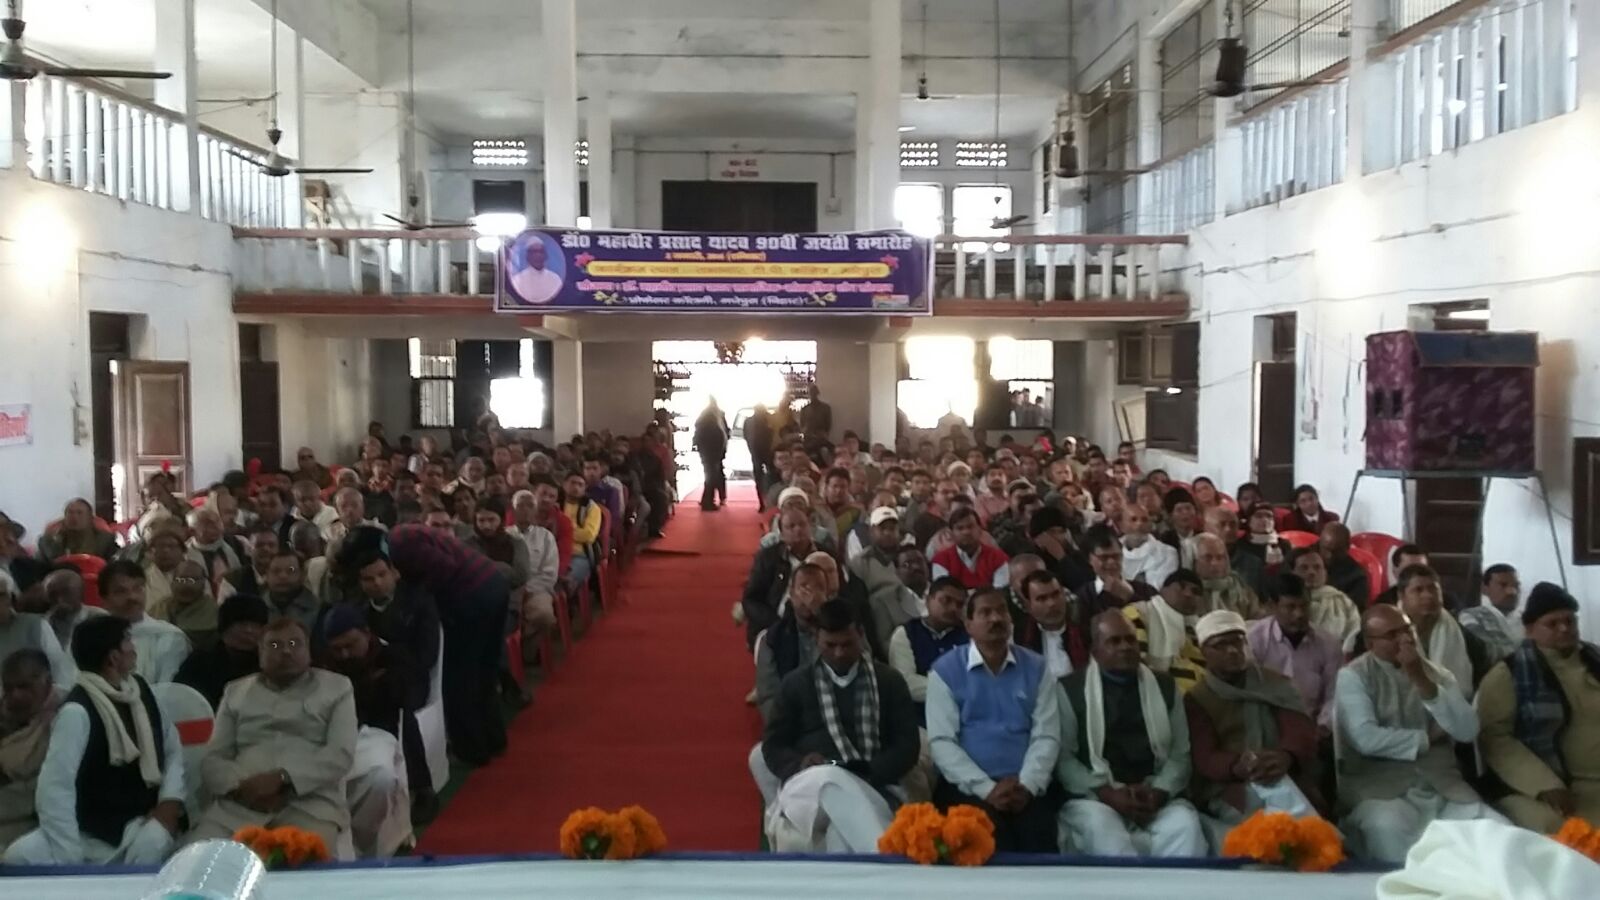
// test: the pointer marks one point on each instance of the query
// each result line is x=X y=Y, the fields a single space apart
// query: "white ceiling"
x=477 y=71
x=232 y=42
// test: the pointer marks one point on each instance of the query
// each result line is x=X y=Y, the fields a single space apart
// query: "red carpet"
x=648 y=709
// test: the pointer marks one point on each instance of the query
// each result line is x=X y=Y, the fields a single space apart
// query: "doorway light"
x=1469 y=315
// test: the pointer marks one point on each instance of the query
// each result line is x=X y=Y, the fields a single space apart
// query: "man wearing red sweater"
x=969 y=560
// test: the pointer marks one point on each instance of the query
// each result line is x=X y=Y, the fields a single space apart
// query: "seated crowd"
x=1109 y=662
x=315 y=616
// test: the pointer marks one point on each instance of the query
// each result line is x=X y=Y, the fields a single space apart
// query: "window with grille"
x=1109 y=146
x=1293 y=40
x=1405 y=13
x=919 y=154
x=1188 y=58
x=1172 y=412
x=982 y=155
x=433 y=383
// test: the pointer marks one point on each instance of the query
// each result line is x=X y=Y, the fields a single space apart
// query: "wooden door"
x=258 y=413
x=1275 y=431
x=153 y=427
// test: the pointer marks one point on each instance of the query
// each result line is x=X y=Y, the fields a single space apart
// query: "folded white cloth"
x=1485 y=860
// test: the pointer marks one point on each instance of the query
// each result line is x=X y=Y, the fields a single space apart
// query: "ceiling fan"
x=1000 y=223
x=922 y=60
x=16 y=65
x=274 y=165
x=1067 y=160
x=1233 y=63
x=413 y=219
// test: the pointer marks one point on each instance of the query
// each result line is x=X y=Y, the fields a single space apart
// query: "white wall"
x=66 y=253
x=828 y=164
x=1507 y=220
x=326 y=391
x=618 y=386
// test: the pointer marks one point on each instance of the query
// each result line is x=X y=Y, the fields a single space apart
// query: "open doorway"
x=740 y=375
x=109 y=340
x=1275 y=406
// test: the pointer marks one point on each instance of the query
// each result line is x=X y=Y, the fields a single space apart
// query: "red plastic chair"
x=603 y=571
x=1376 y=543
x=1299 y=539
x=1377 y=571
x=89 y=567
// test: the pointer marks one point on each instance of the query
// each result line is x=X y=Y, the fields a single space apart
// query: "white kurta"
x=58 y=840
x=161 y=646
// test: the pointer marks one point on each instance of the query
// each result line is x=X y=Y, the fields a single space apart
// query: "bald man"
x=1224 y=588
x=1397 y=715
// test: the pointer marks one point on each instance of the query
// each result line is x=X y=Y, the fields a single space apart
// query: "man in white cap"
x=1253 y=745
x=1124 y=754
x=1397 y=716
x=891 y=602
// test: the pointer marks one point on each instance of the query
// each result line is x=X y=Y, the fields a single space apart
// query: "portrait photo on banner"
x=535 y=269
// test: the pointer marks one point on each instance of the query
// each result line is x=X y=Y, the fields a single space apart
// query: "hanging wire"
x=272 y=103
x=995 y=147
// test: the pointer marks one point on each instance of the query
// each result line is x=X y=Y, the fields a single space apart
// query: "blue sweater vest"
x=996 y=710
x=927 y=648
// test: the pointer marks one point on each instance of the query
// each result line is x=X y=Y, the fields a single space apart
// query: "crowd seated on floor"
x=1108 y=661
x=304 y=646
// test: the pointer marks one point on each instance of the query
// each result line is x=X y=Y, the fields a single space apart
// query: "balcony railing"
x=1295 y=146
x=1050 y=268
x=93 y=137
x=1183 y=191
x=449 y=262
x=433 y=261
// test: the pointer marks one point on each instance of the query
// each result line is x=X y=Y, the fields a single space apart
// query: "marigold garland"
x=964 y=836
x=629 y=833
x=1580 y=836
x=283 y=848
x=1309 y=844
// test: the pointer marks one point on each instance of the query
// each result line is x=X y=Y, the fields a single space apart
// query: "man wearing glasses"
x=284 y=741
x=1397 y=716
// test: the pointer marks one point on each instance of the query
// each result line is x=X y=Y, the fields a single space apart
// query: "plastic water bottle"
x=211 y=870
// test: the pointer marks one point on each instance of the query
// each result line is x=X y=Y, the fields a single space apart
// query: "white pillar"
x=1229 y=158
x=1147 y=147
x=601 y=159
x=1364 y=17
x=884 y=74
x=566 y=390
x=883 y=388
x=13 y=125
x=292 y=119
x=175 y=53
x=863 y=162
x=560 y=113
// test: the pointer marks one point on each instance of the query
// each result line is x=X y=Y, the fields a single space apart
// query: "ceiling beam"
x=347 y=32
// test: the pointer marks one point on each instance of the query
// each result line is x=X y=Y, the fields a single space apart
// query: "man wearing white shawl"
x=1125 y=755
x=1440 y=637
x=111 y=789
x=1396 y=716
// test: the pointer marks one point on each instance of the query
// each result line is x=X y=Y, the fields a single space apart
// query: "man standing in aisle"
x=711 y=441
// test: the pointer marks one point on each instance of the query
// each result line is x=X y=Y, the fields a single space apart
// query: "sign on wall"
x=880 y=272
x=16 y=424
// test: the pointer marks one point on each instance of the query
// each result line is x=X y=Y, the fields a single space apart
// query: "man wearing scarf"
x=1165 y=628
x=1441 y=638
x=283 y=745
x=509 y=555
x=842 y=736
x=1541 y=718
x=1224 y=588
x=31 y=702
x=1253 y=745
x=1125 y=754
x=111 y=789
x=192 y=607
x=209 y=539
x=1396 y=716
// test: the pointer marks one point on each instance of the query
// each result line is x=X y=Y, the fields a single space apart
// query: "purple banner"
x=880 y=272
